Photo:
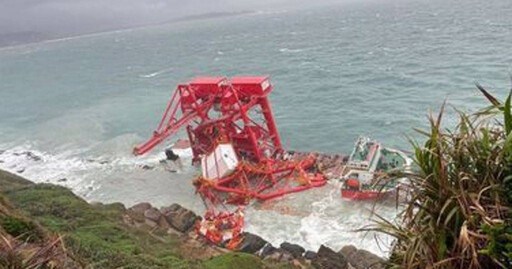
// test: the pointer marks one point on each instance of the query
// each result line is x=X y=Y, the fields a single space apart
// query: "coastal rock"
x=362 y=259
x=267 y=250
x=280 y=255
x=168 y=209
x=298 y=264
x=327 y=258
x=179 y=217
x=128 y=220
x=140 y=207
x=152 y=214
x=32 y=156
x=309 y=255
x=137 y=211
x=348 y=250
x=147 y=167
x=293 y=249
x=251 y=243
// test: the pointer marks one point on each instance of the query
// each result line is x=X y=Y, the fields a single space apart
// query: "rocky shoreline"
x=175 y=219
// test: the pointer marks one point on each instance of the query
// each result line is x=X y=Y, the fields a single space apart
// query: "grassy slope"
x=95 y=234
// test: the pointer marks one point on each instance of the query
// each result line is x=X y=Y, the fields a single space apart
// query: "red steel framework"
x=216 y=110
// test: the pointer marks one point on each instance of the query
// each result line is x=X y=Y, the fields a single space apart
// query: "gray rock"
x=151 y=223
x=179 y=217
x=171 y=208
x=293 y=249
x=348 y=250
x=147 y=167
x=363 y=259
x=162 y=223
x=327 y=258
x=32 y=156
x=285 y=256
x=140 y=207
x=268 y=249
x=153 y=214
x=280 y=255
x=251 y=243
x=309 y=255
x=274 y=256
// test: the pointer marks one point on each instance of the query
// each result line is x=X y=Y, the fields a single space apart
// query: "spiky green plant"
x=458 y=214
x=17 y=254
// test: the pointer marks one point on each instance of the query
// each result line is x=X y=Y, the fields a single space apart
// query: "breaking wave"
x=157 y=73
x=319 y=217
x=287 y=50
x=73 y=169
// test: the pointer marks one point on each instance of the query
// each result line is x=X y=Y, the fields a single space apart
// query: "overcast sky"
x=76 y=16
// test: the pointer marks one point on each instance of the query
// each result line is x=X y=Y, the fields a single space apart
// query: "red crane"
x=236 y=112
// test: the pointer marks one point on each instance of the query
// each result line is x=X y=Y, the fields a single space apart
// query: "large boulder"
x=137 y=211
x=179 y=217
x=362 y=259
x=327 y=258
x=280 y=255
x=348 y=250
x=152 y=217
x=251 y=243
x=171 y=208
x=153 y=214
x=309 y=255
x=140 y=207
x=293 y=249
x=268 y=249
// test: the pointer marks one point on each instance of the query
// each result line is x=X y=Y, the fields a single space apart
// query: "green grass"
x=234 y=261
x=21 y=228
x=9 y=181
x=95 y=233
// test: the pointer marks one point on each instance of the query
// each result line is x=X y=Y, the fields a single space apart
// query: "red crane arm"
x=158 y=137
x=170 y=124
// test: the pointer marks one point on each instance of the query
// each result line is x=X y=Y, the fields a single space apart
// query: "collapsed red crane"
x=237 y=112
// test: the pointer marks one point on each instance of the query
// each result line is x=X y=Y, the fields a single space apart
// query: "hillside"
x=47 y=225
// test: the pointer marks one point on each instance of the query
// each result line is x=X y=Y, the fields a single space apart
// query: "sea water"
x=71 y=110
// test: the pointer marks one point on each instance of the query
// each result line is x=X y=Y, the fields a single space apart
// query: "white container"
x=226 y=162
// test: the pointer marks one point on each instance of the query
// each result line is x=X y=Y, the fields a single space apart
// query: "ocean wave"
x=287 y=50
x=81 y=173
x=157 y=73
x=269 y=12
x=320 y=217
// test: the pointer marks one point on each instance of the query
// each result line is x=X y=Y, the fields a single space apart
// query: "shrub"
x=458 y=214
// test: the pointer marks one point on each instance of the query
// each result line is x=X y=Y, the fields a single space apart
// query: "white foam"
x=318 y=216
x=71 y=169
x=157 y=73
x=287 y=50
x=324 y=219
x=269 y=12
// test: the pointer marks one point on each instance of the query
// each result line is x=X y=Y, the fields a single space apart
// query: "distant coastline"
x=16 y=39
